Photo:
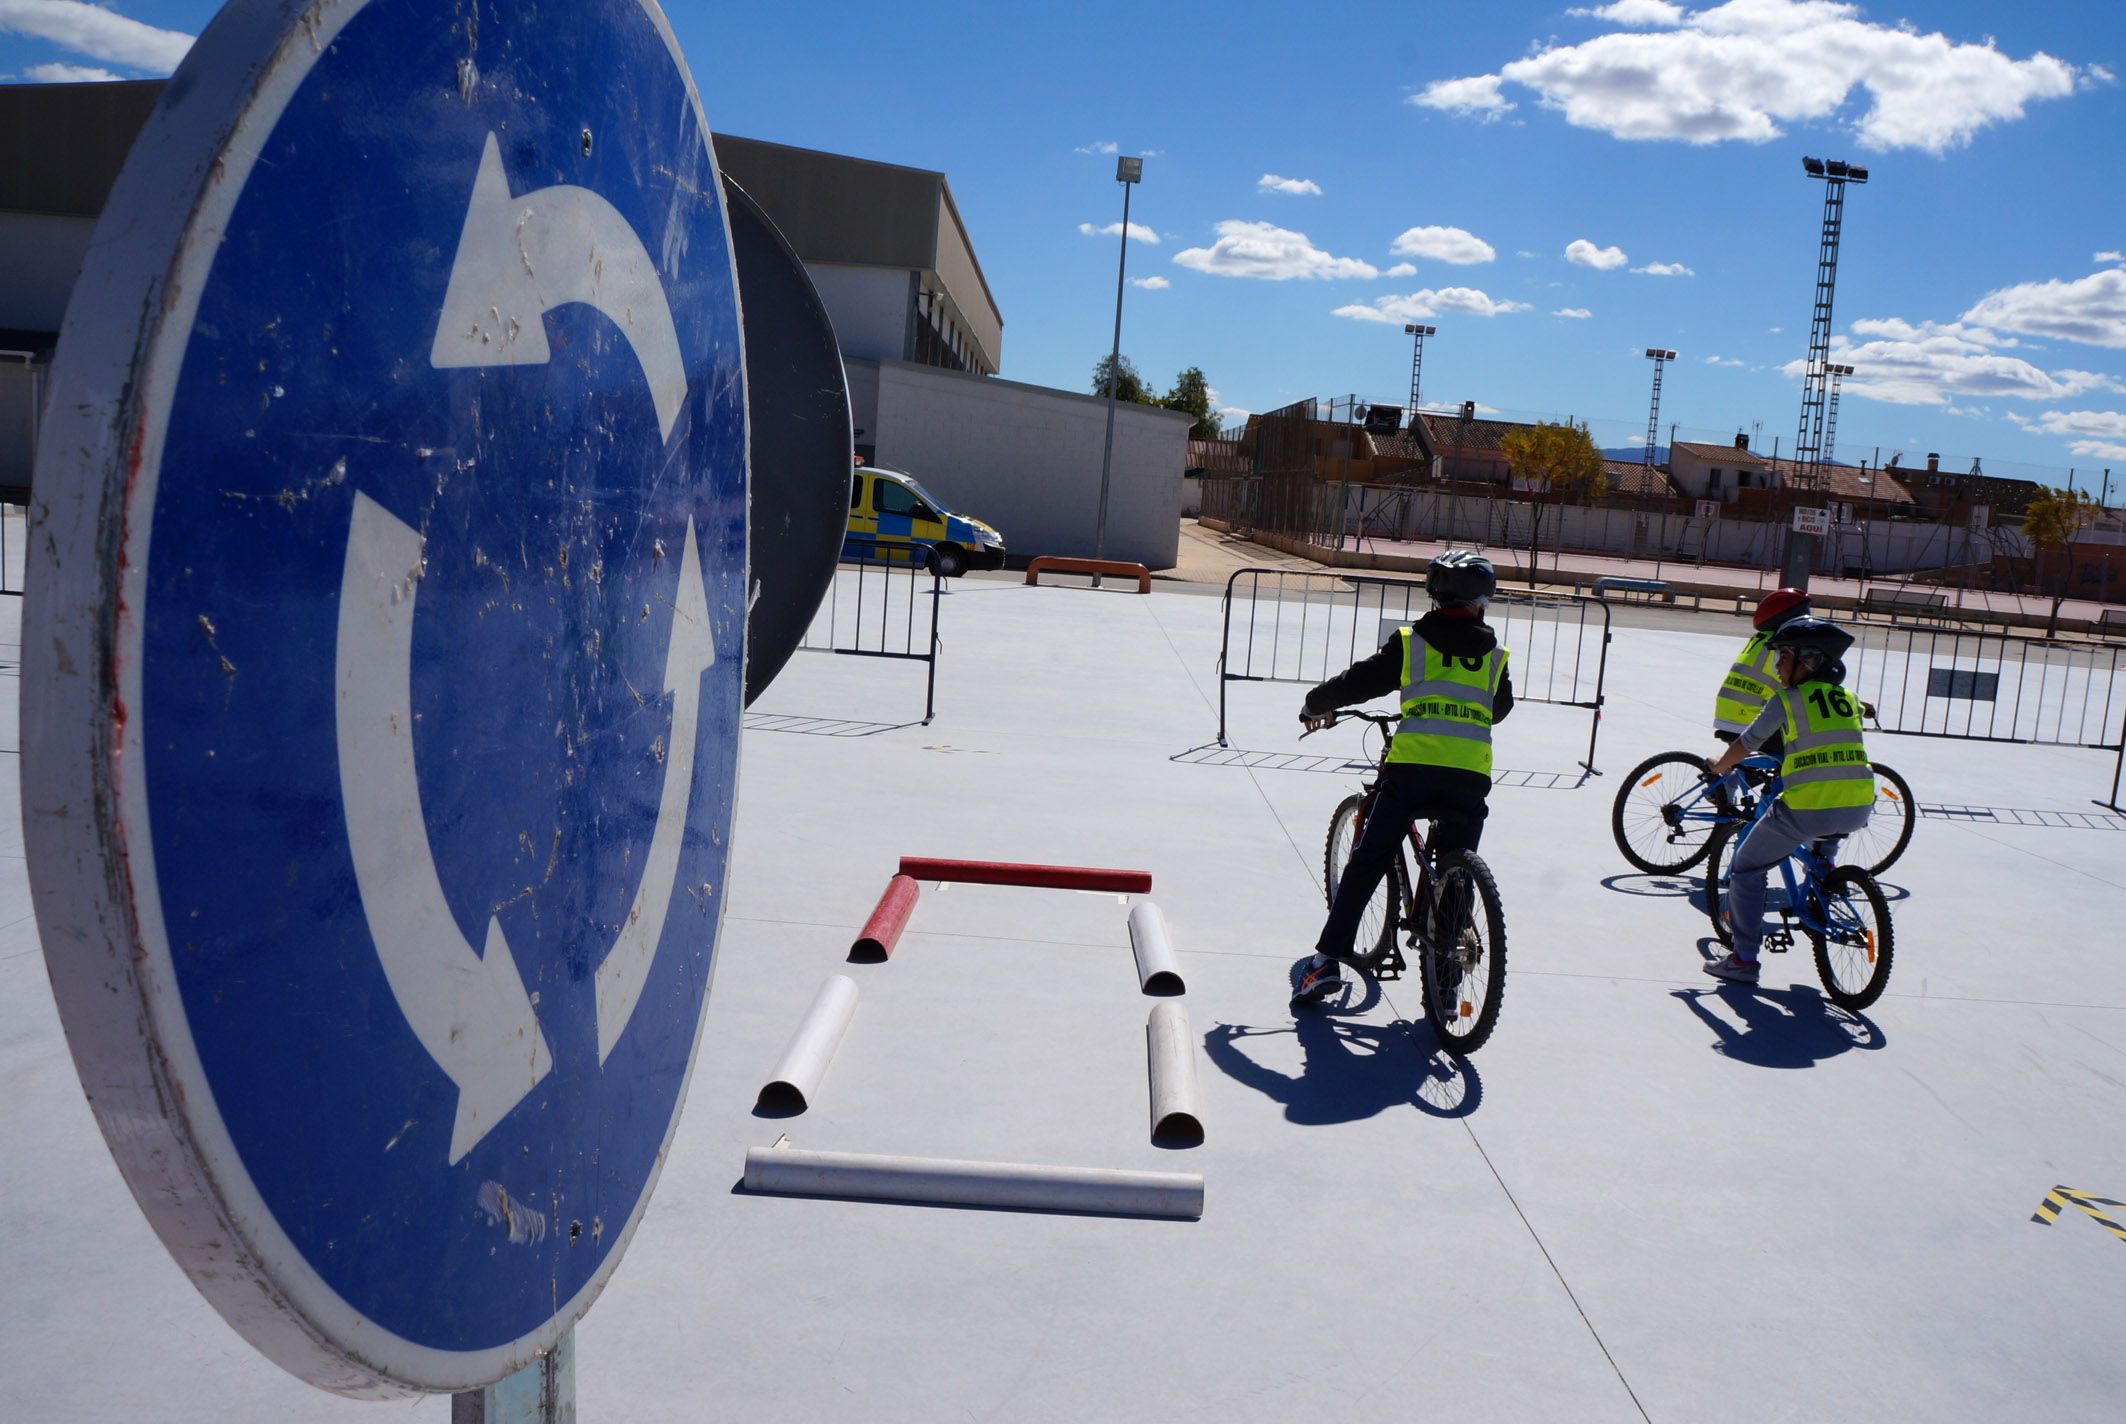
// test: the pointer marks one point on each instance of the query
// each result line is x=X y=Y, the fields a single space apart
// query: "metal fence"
x=1307 y=627
x=1979 y=685
x=876 y=611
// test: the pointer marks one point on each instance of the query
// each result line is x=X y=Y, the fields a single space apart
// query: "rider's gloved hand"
x=1315 y=721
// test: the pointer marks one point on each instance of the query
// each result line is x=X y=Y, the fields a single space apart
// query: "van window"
x=888 y=497
x=856 y=492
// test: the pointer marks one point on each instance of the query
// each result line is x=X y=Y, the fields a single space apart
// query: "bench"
x=1896 y=598
x=1648 y=589
x=1057 y=563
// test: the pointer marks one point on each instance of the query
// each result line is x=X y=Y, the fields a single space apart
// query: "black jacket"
x=1381 y=675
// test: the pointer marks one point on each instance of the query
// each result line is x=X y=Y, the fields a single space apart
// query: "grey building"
x=920 y=331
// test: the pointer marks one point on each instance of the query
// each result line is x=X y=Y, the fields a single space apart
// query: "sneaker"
x=1318 y=977
x=1733 y=970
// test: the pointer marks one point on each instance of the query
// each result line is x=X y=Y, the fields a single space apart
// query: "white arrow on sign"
x=469 y=1010
x=519 y=258
x=691 y=652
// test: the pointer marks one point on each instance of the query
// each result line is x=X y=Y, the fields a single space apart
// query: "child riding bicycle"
x=1827 y=787
x=1452 y=676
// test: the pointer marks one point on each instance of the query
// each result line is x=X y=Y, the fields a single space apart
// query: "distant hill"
x=1636 y=453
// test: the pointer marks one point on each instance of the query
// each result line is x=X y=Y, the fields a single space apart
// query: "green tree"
x=1129 y=386
x=1191 y=394
x=1556 y=457
x=2052 y=520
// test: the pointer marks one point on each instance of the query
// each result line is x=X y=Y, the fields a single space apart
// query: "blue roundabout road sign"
x=388 y=617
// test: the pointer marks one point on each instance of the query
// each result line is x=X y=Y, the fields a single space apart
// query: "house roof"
x=1851 y=482
x=1450 y=434
x=1727 y=455
x=1635 y=477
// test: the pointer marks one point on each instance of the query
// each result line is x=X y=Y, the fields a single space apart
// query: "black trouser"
x=1406 y=794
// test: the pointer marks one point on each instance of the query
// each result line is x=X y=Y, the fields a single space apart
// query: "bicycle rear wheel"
x=1665 y=814
x=1875 y=847
x=1464 y=967
x=1377 y=924
x=1718 y=854
x=1854 y=941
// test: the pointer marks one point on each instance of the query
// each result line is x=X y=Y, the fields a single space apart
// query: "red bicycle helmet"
x=1779 y=605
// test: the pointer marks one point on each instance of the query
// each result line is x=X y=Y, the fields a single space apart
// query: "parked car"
x=893 y=519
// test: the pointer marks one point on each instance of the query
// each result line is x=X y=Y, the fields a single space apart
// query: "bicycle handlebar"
x=1357 y=714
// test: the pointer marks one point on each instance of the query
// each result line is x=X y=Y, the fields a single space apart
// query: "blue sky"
x=1555 y=187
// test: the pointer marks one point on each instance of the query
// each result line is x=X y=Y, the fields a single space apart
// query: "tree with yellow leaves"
x=1556 y=457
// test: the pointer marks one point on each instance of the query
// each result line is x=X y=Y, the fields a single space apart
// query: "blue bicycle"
x=1840 y=908
x=1669 y=806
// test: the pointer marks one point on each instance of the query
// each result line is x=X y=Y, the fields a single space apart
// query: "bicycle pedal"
x=1392 y=964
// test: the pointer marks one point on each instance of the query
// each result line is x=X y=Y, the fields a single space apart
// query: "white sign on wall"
x=1812 y=521
x=1708 y=509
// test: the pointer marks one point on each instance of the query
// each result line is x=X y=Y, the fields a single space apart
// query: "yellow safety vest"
x=1447 y=707
x=1750 y=684
x=1825 y=766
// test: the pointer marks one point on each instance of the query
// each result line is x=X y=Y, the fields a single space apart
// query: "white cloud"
x=96 y=32
x=1524 y=252
x=2091 y=310
x=1478 y=96
x=1443 y=244
x=1576 y=313
x=1268 y=252
x=1138 y=232
x=1586 y=254
x=1775 y=330
x=2098 y=434
x=1298 y=187
x=1150 y=284
x=2097 y=74
x=1643 y=14
x=1743 y=69
x=1103 y=146
x=1401 y=269
x=1722 y=361
x=1929 y=363
x=2109 y=257
x=1420 y=305
x=67 y=74
x=1665 y=269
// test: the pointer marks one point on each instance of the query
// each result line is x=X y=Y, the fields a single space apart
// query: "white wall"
x=869 y=307
x=1027 y=459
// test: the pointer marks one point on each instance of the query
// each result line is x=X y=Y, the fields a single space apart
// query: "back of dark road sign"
x=388 y=620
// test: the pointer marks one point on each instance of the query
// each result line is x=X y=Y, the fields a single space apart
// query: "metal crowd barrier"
x=1978 y=685
x=1306 y=627
x=875 y=611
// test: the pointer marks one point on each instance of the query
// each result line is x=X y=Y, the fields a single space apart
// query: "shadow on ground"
x=1351 y=1070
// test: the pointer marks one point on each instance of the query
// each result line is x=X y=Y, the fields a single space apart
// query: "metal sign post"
x=382 y=675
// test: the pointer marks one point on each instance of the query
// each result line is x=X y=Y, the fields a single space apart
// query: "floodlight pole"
x=1128 y=172
x=1660 y=358
x=1417 y=359
x=1834 y=173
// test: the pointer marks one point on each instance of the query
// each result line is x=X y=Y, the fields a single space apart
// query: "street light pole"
x=1128 y=172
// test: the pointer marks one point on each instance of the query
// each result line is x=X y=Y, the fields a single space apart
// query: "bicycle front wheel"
x=1665 y=812
x=1853 y=941
x=1464 y=965
x=1719 y=855
x=1876 y=846
x=1376 y=924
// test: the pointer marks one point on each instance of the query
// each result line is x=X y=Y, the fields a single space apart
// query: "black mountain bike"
x=1445 y=909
